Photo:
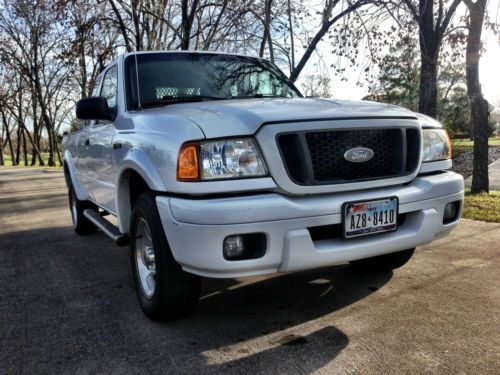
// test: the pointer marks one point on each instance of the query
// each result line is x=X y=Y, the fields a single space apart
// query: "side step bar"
x=104 y=225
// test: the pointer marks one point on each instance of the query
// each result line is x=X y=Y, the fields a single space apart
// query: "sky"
x=489 y=67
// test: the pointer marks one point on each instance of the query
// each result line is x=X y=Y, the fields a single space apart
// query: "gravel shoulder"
x=68 y=306
x=463 y=162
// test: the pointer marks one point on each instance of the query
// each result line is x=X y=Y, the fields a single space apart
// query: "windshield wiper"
x=181 y=98
x=257 y=96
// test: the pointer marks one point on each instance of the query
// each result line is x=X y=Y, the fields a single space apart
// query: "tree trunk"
x=137 y=29
x=25 y=148
x=428 y=78
x=290 y=31
x=262 y=47
x=18 y=146
x=431 y=30
x=45 y=117
x=50 y=162
x=2 y=161
x=266 y=38
x=478 y=105
x=269 y=4
x=36 y=149
x=122 y=26
x=82 y=64
x=187 y=22
x=19 y=127
x=35 y=142
x=429 y=40
x=56 y=147
x=309 y=51
x=7 y=134
x=41 y=162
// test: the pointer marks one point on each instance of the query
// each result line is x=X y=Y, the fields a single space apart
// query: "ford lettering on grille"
x=358 y=154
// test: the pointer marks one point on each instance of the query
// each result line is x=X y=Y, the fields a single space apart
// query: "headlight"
x=437 y=145
x=231 y=158
x=221 y=159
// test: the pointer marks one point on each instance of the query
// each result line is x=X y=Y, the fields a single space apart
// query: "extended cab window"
x=109 y=87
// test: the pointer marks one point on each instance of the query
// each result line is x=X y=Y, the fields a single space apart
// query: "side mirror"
x=95 y=108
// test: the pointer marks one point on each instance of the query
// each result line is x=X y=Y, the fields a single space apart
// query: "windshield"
x=166 y=77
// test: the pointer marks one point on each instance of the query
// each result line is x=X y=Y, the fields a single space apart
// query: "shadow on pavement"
x=68 y=305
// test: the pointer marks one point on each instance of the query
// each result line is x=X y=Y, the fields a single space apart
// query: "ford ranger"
x=215 y=165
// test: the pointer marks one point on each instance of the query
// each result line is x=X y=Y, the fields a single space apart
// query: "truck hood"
x=245 y=116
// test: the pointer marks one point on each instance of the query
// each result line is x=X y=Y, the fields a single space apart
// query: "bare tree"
x=333 y=11
x=32 y=42
x=317 y=85
x=478 y=105
x=187 y=14
x=93 y=42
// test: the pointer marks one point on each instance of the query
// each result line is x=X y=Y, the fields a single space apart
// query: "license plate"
x=370 y=217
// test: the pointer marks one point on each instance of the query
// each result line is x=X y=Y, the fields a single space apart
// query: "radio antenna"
x=137 y=82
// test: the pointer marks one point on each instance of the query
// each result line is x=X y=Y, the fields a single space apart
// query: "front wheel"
x=385 y=262
x=164 y=290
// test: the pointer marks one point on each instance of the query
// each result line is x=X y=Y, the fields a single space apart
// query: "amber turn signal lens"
x=187 y=164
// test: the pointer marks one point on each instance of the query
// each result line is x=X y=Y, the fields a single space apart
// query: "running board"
x=105 y=226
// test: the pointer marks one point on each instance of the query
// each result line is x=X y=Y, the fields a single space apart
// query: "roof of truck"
x=126 y=54
x=189 y=51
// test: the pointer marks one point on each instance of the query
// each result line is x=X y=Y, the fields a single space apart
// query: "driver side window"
x=110 y=87
x=97 y=84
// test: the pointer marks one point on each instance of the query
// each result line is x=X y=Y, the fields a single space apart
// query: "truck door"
x=83 y=153
x=83 y=145
x=100 y=160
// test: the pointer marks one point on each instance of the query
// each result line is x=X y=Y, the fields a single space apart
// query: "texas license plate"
x=369 y=217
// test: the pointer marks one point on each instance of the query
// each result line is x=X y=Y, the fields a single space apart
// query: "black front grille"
x=318 y=157
x=327 y=151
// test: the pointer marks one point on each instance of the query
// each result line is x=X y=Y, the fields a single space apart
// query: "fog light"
x=450 y=212
x=233 y=247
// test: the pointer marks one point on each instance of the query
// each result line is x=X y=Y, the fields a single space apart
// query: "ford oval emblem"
x=358 y=154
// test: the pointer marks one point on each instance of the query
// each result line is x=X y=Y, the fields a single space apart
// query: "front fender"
x=138 y=161
x=78 y=188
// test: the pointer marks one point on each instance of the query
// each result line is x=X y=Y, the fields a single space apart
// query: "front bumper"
x=196 y=228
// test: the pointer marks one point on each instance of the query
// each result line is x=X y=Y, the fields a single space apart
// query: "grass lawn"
x=460 y=145
x=45 y=156
x=466 y=143
x=485 y=207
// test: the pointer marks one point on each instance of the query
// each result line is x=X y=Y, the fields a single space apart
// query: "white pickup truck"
x=215 y=165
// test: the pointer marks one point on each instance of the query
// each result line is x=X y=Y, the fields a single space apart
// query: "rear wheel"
x=81 y=224
x=164 y=290
x=383 y=263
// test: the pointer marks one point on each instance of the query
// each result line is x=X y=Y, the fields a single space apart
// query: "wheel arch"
x=70 y=177
x=134 y=179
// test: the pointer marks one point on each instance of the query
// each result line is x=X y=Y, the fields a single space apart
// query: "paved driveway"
x=67 y=305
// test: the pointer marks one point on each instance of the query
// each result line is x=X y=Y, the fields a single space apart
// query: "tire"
x=81 y=225
x=164 y=290
x=383 y=263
